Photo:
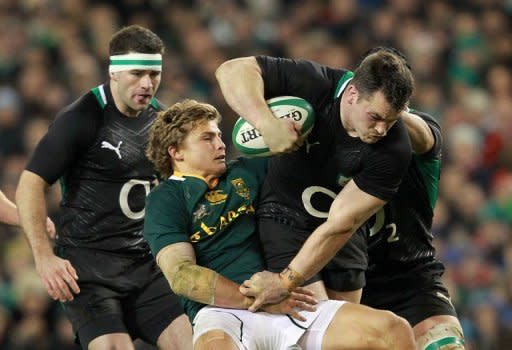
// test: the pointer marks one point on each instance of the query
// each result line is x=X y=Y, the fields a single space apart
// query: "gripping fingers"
x=306 y=299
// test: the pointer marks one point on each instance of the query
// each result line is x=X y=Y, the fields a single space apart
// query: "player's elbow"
x=233 y=67
x=340 y=225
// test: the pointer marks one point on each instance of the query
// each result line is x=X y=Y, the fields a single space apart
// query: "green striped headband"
x=135 y=60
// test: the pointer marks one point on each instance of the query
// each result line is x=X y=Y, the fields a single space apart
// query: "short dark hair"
x=385 y=69
x=135 y=38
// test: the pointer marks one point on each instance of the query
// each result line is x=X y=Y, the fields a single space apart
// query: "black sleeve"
x=72 y=132
x=385 y=164
x=306 y=79
x=435 y=152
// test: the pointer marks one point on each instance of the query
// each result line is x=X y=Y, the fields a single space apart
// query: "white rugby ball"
x=250 y=142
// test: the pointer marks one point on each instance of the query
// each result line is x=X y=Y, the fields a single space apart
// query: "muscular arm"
x=58 y=275
x=242 y=85
x=350 y=209
x=30 y=197
x=178 y=263
x=420 y=134
x=8 y=211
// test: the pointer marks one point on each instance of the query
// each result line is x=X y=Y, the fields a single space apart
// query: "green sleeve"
x=256 y=166
x=166 y=219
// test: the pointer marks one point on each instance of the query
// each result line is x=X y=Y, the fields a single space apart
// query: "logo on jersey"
x=200 y=213
x=108 y=145
x=205 y=230
x=215 y=197
x=241 y=188
x=444 y=297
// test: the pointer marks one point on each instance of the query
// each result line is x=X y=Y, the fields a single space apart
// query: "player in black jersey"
x=346 y=157
x=102 y=269
x=404 y=275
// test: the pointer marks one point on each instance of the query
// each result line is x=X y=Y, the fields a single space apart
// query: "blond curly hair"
x=172 y=126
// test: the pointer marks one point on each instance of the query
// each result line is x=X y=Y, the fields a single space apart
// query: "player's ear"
x=113 y=76
x=352 y=94
x=175 y=153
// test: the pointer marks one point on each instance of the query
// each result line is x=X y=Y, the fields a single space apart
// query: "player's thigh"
x=439 y=332
x=95 y=311
x=280 y=241
x=215 y=339
x=113 y=341
x=177 y=335
x=346 y=271
x=357 y=326
x=153 y=312
x=353 y=296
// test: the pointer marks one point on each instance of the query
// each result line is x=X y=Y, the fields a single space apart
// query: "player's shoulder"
x=83 y=106
x=165 y=190
x=248 y=165
x=396 y=141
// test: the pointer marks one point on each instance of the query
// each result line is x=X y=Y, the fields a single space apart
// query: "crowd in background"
x=52 y=51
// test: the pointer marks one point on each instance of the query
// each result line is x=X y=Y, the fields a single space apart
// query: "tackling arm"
x=178 y=263
x=350 y=209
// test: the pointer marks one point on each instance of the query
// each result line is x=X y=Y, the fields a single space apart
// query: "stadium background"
x=52 y=51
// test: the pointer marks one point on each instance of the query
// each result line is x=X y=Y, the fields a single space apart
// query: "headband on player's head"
x=135 y=60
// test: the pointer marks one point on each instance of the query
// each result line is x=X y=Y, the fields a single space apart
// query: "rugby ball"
x=250 y=142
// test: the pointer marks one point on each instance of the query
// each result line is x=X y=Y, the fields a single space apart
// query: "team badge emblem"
x=241 y=188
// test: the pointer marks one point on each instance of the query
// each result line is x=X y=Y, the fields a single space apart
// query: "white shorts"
x=264 y=331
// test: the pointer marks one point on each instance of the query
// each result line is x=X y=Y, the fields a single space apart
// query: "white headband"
x=134 y=60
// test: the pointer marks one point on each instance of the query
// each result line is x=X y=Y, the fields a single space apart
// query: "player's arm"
x=9 y=215
x=8 y=211
x=349 y=210
x=186 y=278
x=420 y=134
x=242 y=85
x=57 y=274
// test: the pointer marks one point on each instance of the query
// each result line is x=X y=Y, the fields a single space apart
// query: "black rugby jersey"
x=99 y=156
x=400 y=237
x=301 y=185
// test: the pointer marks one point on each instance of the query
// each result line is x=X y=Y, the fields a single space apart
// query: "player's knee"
x=396 y=331
x=214 y=339
x=443 y=336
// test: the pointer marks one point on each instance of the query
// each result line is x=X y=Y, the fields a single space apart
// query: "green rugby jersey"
x=219 y=222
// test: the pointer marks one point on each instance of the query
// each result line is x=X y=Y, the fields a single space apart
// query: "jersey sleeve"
x=256 y=166
x=302 y=78
x=72 y=132
x=166 y=219
x=435 y=152
x=385 y=165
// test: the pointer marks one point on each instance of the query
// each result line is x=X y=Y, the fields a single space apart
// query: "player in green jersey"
x=200 y=225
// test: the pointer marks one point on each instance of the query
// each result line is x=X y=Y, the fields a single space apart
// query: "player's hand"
x=301 y=299
x=266 y=288
x=50 y=228
x=280 y=135
x=58 y=276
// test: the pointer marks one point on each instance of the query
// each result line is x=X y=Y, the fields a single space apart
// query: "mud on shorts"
x=118 y=294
